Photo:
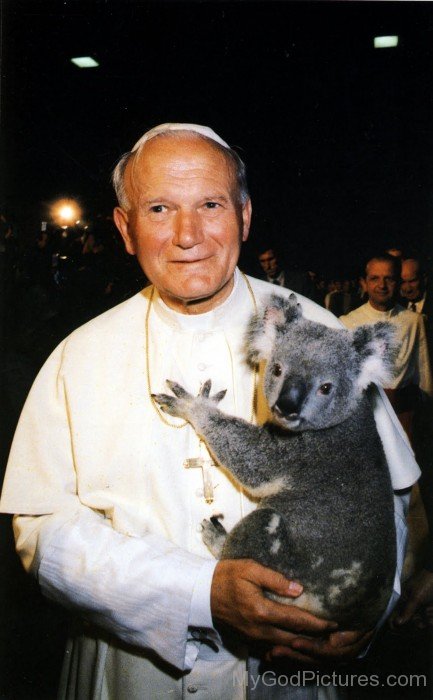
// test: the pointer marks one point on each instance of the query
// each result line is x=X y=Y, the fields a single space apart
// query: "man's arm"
x=424 y=366
x=139 y=589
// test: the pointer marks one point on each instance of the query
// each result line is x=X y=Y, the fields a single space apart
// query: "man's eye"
x=212 y=205
x=158 y=208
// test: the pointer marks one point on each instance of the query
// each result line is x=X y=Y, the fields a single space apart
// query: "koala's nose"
x=291 y=398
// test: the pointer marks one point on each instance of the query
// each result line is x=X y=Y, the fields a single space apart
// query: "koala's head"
x=315 y=375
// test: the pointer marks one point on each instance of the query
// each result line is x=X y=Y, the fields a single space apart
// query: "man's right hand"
x=237 y=600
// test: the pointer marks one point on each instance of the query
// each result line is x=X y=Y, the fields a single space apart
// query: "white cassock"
x=412 y=364
x=109 y=516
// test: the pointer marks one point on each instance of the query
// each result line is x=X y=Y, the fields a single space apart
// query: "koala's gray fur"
x=325 y=516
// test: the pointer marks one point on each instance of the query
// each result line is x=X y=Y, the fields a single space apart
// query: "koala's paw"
x=213 y=535
x=178 y=405
x=183 y=404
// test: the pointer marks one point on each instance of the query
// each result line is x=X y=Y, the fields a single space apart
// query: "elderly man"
x=111 y=493
x=416 y=295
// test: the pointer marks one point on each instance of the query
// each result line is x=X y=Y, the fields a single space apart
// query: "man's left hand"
x=338 y=647
x=417 y=601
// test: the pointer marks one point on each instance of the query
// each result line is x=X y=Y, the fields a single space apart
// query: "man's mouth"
x=189 y=262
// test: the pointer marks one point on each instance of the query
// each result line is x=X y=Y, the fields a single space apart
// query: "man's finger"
x=296 y=619
x=272 y=580
x=279 y=652
x=407 y=612
x=339 y=645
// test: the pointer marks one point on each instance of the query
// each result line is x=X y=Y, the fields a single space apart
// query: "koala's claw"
x=184 y=405
x=166 y=403
x=205 y=392
x=205 y=389
x=178 y=390
x=213 y=536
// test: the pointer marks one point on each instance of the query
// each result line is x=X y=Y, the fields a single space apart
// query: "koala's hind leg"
x=262 y=535
x=214 y=535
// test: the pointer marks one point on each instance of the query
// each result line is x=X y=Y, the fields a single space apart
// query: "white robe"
x=412 y=364
x=117 y=535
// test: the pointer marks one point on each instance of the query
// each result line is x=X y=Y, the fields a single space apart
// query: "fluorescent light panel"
x=385 y=42
x=85 y=62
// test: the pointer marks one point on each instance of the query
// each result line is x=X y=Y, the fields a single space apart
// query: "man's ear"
x=246 y=219
x=121 y=219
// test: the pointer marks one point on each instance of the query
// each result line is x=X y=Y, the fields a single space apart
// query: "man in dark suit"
x=417 y=599
x=416 y=296
x=296 y=280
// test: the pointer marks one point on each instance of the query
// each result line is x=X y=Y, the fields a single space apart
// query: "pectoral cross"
x=206 y=467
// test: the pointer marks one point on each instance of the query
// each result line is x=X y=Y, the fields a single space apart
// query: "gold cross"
x=206 y=467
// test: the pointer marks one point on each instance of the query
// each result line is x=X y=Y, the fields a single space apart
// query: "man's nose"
x=187 y=229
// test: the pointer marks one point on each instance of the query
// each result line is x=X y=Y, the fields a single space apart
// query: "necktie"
x=412 y=306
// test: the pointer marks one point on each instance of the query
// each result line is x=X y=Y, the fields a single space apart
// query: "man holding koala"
x=111 y=492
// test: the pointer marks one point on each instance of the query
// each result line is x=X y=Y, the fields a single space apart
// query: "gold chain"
x=149 y=390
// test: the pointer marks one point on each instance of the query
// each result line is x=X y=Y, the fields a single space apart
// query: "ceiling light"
x=85 y=62
x=385 y=42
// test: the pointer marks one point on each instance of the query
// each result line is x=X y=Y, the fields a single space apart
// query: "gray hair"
x=232 y=158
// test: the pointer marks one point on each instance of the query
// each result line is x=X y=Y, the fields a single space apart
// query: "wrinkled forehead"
x=410 y=268
x=176 y=153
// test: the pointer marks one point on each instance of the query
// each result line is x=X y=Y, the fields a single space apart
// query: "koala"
x=325 y=513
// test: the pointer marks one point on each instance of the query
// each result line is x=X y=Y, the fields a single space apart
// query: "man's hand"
x=237 y=600
x=337 y=648
x=416 y=601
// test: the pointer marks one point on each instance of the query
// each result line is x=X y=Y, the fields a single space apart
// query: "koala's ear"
x=265 y=325
x=377 y=346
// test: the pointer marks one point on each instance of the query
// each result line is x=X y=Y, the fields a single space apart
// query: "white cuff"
x=200 y=613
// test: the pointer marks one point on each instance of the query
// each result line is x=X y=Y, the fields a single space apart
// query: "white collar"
x=382 y=315
x=229 y=313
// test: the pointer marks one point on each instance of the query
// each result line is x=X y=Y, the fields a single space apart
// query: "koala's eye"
x=277 y=370
x=325 y=388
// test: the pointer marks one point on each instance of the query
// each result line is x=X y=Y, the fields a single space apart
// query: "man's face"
x=380 y=284
x=185 y=224
x=269 y=262
x=412 y=286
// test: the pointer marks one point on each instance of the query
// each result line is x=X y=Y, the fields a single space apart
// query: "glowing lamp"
x=385 y=42
x=65 y=212
x=84 y=62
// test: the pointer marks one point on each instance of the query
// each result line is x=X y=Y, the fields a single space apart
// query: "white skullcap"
x=173 y=126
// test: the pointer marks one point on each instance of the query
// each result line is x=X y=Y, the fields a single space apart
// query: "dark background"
x=337 y=135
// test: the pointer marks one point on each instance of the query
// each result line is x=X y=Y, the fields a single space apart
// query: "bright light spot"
x=385 y=42
x=65 y=211
x=85 y=62
x=78 y=221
